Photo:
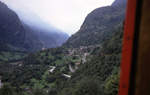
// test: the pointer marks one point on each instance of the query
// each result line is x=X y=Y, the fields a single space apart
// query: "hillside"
x=18 y=39
x=62 y=71
x=12 y=35
x=100 y=75
x=15 y=33
x=98 y=25
x=87 y=64
x=11 y=29
x=43 y=39
x=119 y=3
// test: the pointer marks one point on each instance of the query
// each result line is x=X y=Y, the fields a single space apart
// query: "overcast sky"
x=66 y=15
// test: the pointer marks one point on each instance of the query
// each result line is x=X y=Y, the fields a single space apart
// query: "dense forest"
x=87 y=64
x=100 y=73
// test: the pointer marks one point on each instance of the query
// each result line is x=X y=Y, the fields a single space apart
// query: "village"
x=81 y=53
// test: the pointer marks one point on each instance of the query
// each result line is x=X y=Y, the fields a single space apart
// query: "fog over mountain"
x=26 y=35
x=34 y=60
x=99 y=25
x=33 y=20
x=119 y=2
x=66 y=15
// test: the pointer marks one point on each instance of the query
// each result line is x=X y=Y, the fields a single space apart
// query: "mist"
x=64 y=15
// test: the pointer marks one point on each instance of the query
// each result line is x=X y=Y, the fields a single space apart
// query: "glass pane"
x=60 y=47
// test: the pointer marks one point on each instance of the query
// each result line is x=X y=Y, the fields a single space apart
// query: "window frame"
x=128 y=45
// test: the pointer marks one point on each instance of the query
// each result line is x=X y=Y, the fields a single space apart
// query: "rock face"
x=98 y=25
x=39 y=38
x=15 y=35
x=11 y=29
x=119 y=2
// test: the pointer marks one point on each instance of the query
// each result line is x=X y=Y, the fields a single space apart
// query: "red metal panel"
x=127 y=48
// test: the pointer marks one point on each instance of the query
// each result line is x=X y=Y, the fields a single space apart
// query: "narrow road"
x=67 y=76
x=71 y=69
x=52 y=69
x=1 y=82
x=84 y=58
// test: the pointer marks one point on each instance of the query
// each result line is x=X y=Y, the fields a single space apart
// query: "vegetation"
x=11 y=56
x=99 y=75
x=98 y=26
x=87 y=64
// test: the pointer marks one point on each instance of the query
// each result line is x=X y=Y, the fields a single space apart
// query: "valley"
x=87 y=63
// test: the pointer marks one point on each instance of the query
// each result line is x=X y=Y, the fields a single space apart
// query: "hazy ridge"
x=87 y=64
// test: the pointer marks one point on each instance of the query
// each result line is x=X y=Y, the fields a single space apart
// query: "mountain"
x=119 y=3
x=17 y=38
x=42 y=38
x=52 y=39
x=102 y=68
x=11 y=30
x=16 y=35
x=98 y=25
x=89 y=67
x=49 y=70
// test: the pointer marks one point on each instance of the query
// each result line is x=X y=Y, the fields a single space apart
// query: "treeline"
x=98 y=76
x=101 y=72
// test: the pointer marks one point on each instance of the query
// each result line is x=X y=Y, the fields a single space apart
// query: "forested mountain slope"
x=14 y=33
x=88 y=64
x=119 y=3
x=11 y=30
x=18 y=38
x=98 y=25
x=101 y=72
x=99 y=75
x=42 y=39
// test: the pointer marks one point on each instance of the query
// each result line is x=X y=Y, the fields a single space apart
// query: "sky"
x=66 y=15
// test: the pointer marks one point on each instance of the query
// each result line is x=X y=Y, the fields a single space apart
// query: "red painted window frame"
x=127 y=51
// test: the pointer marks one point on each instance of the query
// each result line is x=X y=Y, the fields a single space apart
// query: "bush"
x=88 y=86
x=111 y=85
x=7 y=90
x=39 y=92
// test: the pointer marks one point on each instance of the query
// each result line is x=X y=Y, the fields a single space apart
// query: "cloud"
x=67 y=15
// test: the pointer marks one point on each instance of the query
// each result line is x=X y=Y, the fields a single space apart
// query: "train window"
x=135 y=67
x=73 y=47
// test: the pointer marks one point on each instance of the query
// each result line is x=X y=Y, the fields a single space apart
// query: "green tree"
x=7 y=90
x=88 y=86
x=39 y=92
x=111 y=85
